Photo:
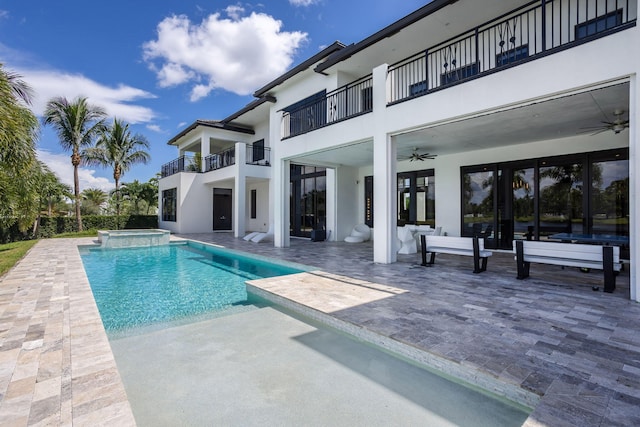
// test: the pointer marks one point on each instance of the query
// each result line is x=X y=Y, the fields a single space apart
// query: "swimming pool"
x=192 y=372
x=141 y=286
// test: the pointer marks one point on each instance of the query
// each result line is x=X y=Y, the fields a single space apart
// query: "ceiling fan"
x=617 y=125
x=415 y=155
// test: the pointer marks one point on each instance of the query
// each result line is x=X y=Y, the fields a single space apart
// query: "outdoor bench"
x=599 y=257
x=468 y=246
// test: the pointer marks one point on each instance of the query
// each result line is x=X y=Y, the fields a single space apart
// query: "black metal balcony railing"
x=349 y=101
x=220 y=160
x=540 y=27
x=185 y=163
x=258 y=155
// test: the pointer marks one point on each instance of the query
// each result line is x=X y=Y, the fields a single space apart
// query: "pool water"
x=141 y=286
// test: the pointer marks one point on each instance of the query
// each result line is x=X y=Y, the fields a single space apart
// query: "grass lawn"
x=10 y=253
x=85 y=233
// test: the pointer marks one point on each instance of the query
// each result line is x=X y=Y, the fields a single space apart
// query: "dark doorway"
x=416 y=198
x=222 y=205
x=308 y=199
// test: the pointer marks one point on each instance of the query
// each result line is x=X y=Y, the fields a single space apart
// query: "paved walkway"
x=56 y=365
x=550 y=336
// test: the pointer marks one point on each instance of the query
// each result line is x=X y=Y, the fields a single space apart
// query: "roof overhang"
x=386 y=32
x=250 y=107
x=210 y=124
x=324 y=53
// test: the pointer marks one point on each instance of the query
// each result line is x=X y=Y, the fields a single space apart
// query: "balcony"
x=537 y=29
x=185 y=163
x=220 y=160
x=259 y=155
x=344 y=103
x=256 y=154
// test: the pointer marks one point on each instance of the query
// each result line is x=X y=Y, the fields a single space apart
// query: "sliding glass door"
x=538 y=199
x=610 y=197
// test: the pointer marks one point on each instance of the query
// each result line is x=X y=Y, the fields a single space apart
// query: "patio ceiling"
x=553 y=119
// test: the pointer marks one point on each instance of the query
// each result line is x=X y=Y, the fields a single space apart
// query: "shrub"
x=51 y=226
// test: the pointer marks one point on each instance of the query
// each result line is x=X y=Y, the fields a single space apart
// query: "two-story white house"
x=515 y=118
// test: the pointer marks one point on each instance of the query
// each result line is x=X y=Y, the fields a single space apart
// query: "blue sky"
x=160 y=64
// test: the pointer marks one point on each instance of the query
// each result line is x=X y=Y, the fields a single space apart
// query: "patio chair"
x=407 y=243
x=360 y=233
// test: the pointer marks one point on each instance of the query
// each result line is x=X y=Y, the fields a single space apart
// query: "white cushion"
x=354 y=239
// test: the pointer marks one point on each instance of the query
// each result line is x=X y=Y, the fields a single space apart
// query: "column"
x=240 y=196
x=279 y=188
x=205 y=148
x=634 y=187
x=384 y=176
x=279 y=184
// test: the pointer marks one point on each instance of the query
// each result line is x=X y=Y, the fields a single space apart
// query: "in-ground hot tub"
x=133 y=238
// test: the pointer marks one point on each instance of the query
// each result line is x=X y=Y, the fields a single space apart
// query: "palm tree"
x=77 y=123
x=118 y=148
x=19 y=130
x=95 y=198
x=150 y=194
x=134 y=192
x=52 y=191
x=18 y=134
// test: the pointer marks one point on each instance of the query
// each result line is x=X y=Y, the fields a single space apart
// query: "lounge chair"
x=251 y=235
x=268 y=236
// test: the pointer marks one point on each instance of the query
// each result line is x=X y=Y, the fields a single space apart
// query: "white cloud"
x=60 y=164
x=303 y=3
x=181 y=124
x=235 y=12
x=238 y=54
x=116 y=101
x=155 y=128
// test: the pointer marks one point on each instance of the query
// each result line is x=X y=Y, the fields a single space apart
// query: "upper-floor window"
x=512 y=55
x=367 y=98
x=307 y=114
x=258 y=150
x=456 y=74
x=599 y=24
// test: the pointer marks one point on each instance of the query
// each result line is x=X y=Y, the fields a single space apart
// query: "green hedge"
x=50 y=226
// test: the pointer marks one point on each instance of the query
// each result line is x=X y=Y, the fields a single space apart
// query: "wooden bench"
x=468 y=246
x=606 y=258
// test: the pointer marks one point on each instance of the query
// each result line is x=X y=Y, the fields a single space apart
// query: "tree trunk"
x=117 y=202
x=76 y=184
x=75 y=161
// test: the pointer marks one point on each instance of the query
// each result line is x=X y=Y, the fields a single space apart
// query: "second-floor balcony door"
x=222 y=205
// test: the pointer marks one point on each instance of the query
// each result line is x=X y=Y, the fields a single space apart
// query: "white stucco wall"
x=261 y=222
x=346 y=214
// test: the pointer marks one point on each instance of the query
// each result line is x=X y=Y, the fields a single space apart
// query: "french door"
x=534 y=199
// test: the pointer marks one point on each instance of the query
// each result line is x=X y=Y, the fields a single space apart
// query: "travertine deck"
x=550 y=335
x=56 y=365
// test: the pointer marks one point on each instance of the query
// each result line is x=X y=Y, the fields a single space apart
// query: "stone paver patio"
x=575 y=350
